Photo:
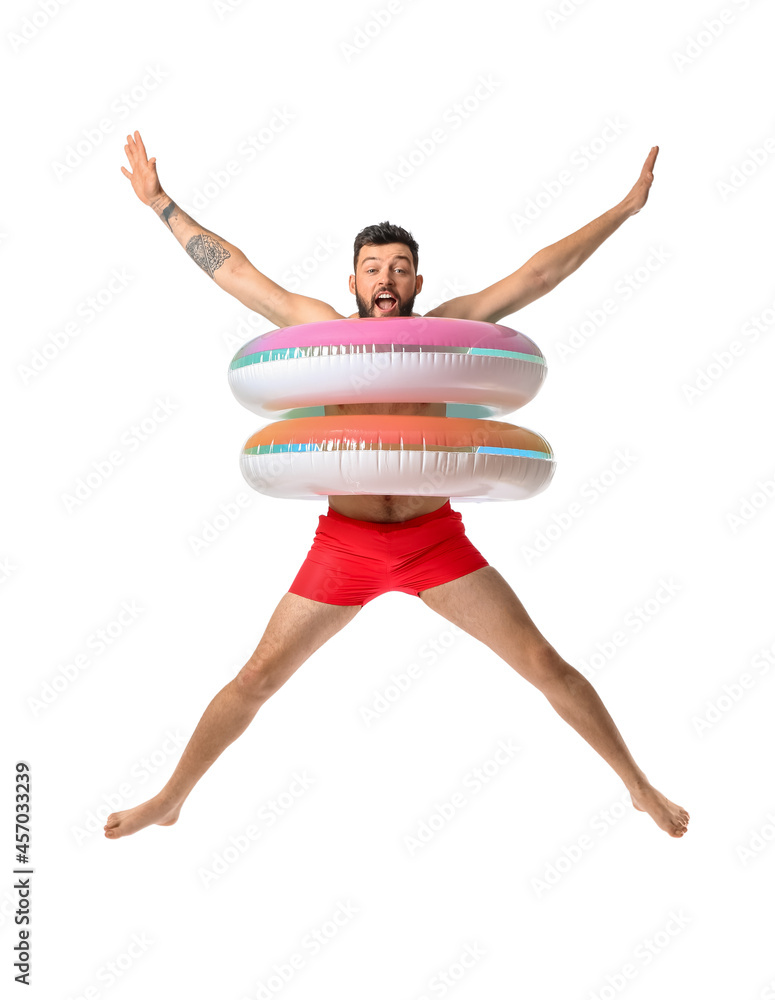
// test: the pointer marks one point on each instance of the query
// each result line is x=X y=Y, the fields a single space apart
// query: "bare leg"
x=483 y=604
x=296 y=629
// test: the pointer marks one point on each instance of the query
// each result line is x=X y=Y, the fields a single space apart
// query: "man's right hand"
x=143 y=177
x=226 y=264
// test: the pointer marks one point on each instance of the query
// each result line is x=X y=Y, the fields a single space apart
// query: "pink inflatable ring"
x=478 y=369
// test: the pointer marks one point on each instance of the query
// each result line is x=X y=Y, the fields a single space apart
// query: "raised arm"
x=547 y=268
x=226 y=264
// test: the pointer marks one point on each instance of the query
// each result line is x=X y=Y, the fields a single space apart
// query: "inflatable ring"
x=310 y=457
x=477 y=369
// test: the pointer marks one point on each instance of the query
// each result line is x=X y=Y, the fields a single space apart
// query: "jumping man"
x=431 y=556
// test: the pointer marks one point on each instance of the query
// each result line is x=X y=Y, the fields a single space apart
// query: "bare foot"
x=666 y=814
x=155 y=810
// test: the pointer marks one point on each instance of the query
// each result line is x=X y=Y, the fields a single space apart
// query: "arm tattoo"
x=207 y=252
x=167 y=212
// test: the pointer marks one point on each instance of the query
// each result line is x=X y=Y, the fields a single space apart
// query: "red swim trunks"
x=352 y=562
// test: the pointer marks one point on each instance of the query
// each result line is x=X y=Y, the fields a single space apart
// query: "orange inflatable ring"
x=312 y=457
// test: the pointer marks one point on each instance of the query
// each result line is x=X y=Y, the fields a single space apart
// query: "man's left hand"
x=636 y=199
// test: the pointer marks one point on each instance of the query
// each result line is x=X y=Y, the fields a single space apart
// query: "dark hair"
x=382 y=234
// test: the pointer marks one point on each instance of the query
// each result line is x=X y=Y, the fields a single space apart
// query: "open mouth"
x=386 y=303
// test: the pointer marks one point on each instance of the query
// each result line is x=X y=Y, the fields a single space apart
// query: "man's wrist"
x=159 y=202
x=165 y=208
x=625 y=209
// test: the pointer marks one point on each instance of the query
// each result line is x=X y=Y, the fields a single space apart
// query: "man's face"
x=385 y=271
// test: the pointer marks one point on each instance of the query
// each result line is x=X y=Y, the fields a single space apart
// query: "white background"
x=633 y=912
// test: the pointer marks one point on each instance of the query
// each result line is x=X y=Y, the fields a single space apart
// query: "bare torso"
x=386 y=508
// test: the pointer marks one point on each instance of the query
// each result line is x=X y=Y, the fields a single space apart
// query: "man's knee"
x=544 y=667
x=258 y=679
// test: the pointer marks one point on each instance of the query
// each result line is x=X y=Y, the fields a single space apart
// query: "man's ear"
x=352 y=284
x=418 y=284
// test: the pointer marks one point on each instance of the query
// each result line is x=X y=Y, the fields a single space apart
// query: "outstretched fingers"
x=638 y=196
x=130 y=155
x=647 y=173
x=140 y=145
x=135 y=151
x=651 y=159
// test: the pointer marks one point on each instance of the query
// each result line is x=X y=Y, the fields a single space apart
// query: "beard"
x=366 y=310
